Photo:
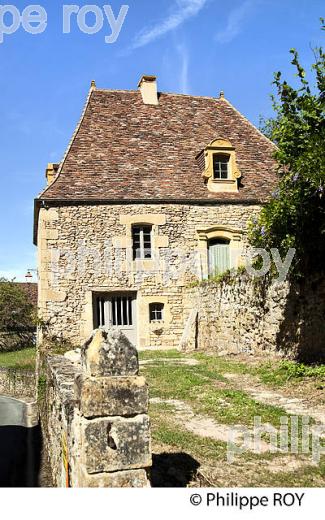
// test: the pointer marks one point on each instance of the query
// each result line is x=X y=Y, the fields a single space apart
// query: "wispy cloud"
x=235 y=22
x=181 y=11
x=184 y=85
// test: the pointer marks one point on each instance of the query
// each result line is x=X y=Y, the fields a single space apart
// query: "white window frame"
x=155 y=311
x=226 y=157
x=142 y=248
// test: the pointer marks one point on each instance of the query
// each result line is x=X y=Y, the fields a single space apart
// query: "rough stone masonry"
x=98 y=432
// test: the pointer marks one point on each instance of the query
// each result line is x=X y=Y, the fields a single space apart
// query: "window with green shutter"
x=219 y=256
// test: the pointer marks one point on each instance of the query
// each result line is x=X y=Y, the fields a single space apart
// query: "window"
x=114 y=310
x=156 y=311
x=220 y=166
x=141 y=240
x=219 y=257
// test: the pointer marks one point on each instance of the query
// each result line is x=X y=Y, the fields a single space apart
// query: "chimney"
x=51 y=171
x=148 y=89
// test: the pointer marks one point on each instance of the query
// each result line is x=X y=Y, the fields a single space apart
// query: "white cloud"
x=235 y=22
x=184 y=85
x=181 y=12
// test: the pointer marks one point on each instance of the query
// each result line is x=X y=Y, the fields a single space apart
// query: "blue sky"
x=195 y=47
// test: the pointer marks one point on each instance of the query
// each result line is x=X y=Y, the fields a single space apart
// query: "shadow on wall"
x=302 y=331
x=20 y=456
x=173 y=470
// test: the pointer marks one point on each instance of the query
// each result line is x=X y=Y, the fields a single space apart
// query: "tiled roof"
x=126 y=150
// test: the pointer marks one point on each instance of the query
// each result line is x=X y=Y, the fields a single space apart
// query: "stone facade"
x=87 y=249
x=96 y=408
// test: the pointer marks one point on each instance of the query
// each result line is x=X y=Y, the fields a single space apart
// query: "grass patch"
x=236 y=407
x=158 y=354
x=308 y=476
x=22 y=359
x=173 y=382
x=198 y=386
x=222 y=365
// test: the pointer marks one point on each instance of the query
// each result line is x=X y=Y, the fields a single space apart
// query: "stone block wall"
x=256 y=316
x=101 y=234
x=97 y=428
x=235 y=317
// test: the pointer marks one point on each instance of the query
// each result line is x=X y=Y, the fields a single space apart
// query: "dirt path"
x=293 y=406
x=206 y=427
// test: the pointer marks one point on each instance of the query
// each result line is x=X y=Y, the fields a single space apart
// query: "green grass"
x=198 y=386
x=22 y=359
x=278 y=374
x=158 y=354
x=231 y=406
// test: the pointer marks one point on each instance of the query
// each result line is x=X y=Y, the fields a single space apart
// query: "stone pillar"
x=111 y=425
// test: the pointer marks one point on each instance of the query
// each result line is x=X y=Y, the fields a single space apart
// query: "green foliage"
x=289 y=371
x=41 y=388
x=295 y=215
x=22 y=360
x=17 y=317
x=229 y=276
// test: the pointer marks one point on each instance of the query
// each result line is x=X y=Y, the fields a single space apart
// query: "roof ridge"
x=126 y=91
x=116 y=90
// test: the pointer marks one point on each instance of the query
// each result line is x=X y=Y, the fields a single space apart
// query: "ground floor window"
x=156 y=311
x=113 y=310
x=219 y=256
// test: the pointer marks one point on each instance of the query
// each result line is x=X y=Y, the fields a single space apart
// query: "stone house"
x=154 y=191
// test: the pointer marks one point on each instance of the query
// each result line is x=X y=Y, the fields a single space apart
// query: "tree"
x=294 y=216
x=17 y=317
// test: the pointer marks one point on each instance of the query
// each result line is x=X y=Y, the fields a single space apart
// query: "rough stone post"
x=107 y=435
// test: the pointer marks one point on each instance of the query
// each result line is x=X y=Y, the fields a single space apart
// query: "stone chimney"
x=51 y=171
x=148 y=89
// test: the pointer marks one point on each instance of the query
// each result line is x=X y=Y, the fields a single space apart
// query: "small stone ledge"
x=62 y=373
x=137 y=478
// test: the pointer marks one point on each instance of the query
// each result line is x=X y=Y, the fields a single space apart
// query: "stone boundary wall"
x=96 y=413
x=17 y=383
x=243 y=315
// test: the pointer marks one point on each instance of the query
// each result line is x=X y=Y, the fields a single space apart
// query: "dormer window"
x=220 y=166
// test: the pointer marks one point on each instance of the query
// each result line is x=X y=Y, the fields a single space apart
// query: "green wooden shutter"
x=219 y=259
